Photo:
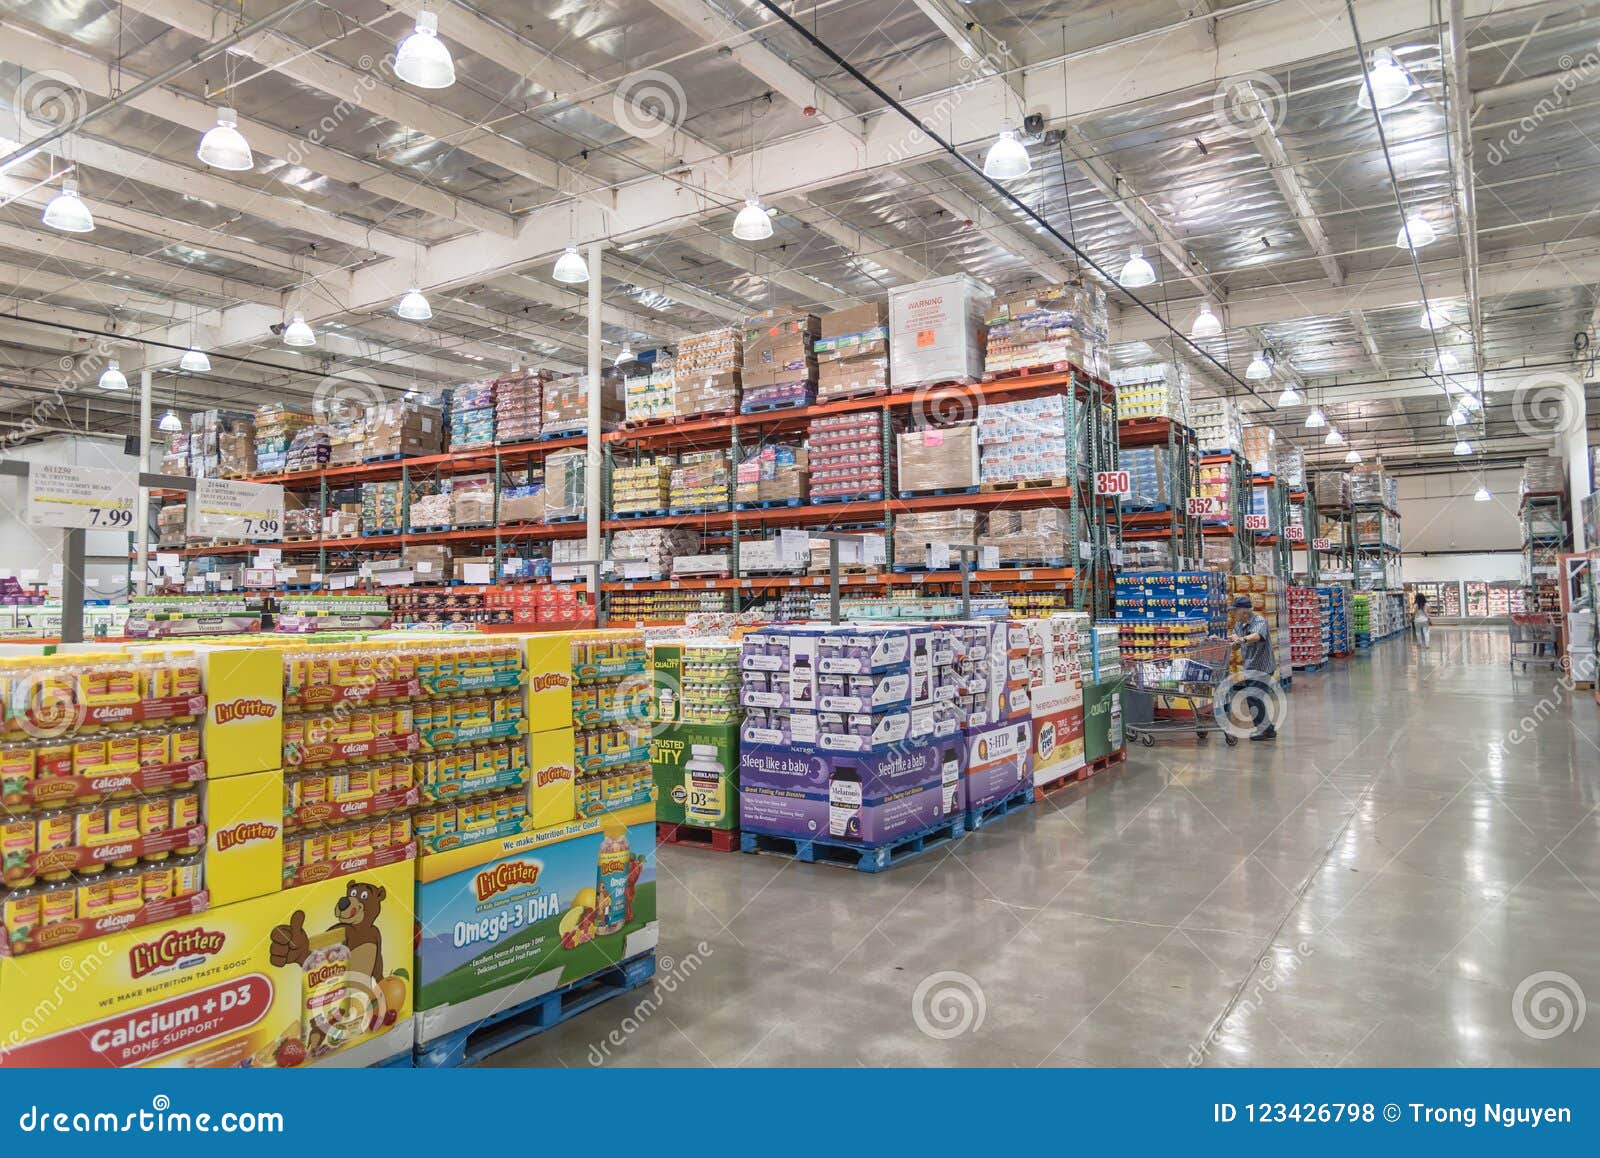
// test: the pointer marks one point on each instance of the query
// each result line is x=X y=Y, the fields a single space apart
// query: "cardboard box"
x=778 y=331
x=566 y=404
x=936 y=330
x=696 y=771
x=938 y=458
x=865 y=798
x=851 y=377
x=855 y=320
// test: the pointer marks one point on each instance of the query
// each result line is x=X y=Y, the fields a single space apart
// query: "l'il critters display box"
x=319 y=972
x=506 y=921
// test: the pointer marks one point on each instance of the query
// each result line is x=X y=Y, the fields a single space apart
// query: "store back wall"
x=1437 y=513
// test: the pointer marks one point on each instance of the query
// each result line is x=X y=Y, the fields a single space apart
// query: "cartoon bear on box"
x=355 y=915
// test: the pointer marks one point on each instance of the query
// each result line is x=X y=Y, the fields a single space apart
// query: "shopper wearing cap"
x=1253 y=638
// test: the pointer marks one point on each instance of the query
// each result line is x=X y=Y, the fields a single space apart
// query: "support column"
x=1573 y=445
x=595 y=465
x=141 y=574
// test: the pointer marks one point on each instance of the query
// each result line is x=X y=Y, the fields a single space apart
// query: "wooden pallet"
x=1090 y=768
x=693 y=836
x=1039 y=484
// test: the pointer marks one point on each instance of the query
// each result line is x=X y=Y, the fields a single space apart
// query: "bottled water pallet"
x=716 y=839
x=978 y=817
x=473 y=1043
x=875 y=859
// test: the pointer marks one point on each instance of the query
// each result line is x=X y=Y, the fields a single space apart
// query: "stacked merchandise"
x=1580 y=642
x=1040 y=537
x=175 y=460
x=846 y=456
x=938 y=459
x=1150 y=479
x=936 y=331
x=307 y=614
x=172 y=528
x=1056 y=655
x=472 y=409
x=472 y=501
x=1146 y=555
x=565 y=493
x=1046 y=327
x=774 y=474
x=706 y=373
x=914 y=531
x=222 y=444
x=1267 y=595
x=694 y=745
x=521 y=497
x=519 y=406
x=611 y=706
x=1331 y=489
x=701 y=481
x=1101 y=658
x=650 y=392
x=1029 y=441
x=1216 y=487
x=1376 y=615
x=1216 y=425
x=1371 y=484
x=641 y=487
x=565 y=408
x=655 y=546
x=276 y=429
x=1152 y=392
x=409 y=428
x=1165 y=615
x=347 y=436
x=847 y=736
x=1543 y=474
x=1334 y=601
x=309 y=449
x=305 y=523
x=666 y=606
x=767 y=557
x=853 y=352
x=1308 y=644
x=1103 y=651
x=1259 y=448
x=1361 y=617
x=383 y=508
x=431 y=506
x=1289 y=465
x=780 y=363
x=1261 y=505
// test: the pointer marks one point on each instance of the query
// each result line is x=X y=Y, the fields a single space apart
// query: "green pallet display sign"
x=1102 y=719
x=696 y=770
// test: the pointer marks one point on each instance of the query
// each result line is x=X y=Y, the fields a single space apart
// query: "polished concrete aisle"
x=1409 y=876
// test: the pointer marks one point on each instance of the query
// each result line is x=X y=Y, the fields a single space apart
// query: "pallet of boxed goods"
x=936 y=331
x=938 y=460
x=1050 y=328
x=519 y=407
x=565 y=405
x=852 y=352
x=779 y=370
x=707 y=374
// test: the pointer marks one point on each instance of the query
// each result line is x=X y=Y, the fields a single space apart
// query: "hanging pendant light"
x=195 y=361
x=1434 y=318
x=1390 y=84
x=423 y=60
x=1136 y=271
x=224 y=146
x=1457 y=417
x=1334 y=438
x=625 y=354
x=170 y=423
x=1353 y=457
x=113 y=378
x=1007 y=159
x=414 y=307
x=1289 y=397
x=1481 y=495
x=571 y=269
x=753 y=223
x=1462 y=448
x=297 y=333
x=1468 y=400
x=1316 y=420
x=1258 y=370
x=1415 y=234
x=1206 y=324
x=1446 y=363
x=67 y=212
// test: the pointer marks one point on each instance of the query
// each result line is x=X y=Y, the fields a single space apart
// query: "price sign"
x=1255 y=522
x=73 y=496
x=1207 y=508
x=1295 y=533
x=938 y=556
x=224 y=509
x=1322 y=544
x=1116 y=483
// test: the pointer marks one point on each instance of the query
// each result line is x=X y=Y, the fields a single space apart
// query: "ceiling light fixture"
x=224 y=146
x=1289 y=397
x=1457 y=417
x=1206 y=324
x=1136 y=271
x=625 y=354
x=1334 y=438
x=1446 y=363
x=571 y=269
x=113 y=378
x=423 y=60
x=1316 y=420
x=1462 y=448
x=1434 y=318
x=1258 y=370
x=1007 y=159
x=297 y=333
x=1415 y=233
x=195 y=361
x=67 y=212
x=414 y=307
x=1481 y=495
x=1390 y=84
x=1353 y=457
x=753 y=223
x=170 y=423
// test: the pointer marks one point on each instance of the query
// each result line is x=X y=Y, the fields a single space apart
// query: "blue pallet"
x=473 y=1043
x=400 y=1061
x=714 y=508
x=1023 y=564
x=768 y=407
x=552 y=437
x=636 y=514
x=428 y=530
x=939 y=491
x=874 y=859
x=1309 y=668
x=865 y=497
x=384 y=458
x=379 y=532
x=978 y=817
x=563 y=518
x=767 y=505
x=302 y=586
x=1146 y=508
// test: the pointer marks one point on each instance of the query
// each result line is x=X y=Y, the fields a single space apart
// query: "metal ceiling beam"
x=32 y=50
x=641 y=277
x=986 y=52
x=860 y=243
x=810 y=290
x=762 y=61
x=1369 y=341
x=1459 y=128
x=533 y=290
x=1008 y=236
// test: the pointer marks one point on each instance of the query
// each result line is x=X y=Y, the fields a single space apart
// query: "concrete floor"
x=1371 y=890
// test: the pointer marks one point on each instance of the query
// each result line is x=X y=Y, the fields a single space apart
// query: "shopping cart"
x=1177 y=695
x=1533 y=637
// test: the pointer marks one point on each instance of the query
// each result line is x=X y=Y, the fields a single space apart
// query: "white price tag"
x=872 y=550
x=938 y=556
x=224 y=509
x=73 y=496
x=1085 y=549
x=794 y=546
x=988 y=558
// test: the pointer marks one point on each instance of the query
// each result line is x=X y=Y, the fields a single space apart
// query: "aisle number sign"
x=1295 y=533
x=61 y=495
x=224 y=509
x=1322 y=544
x=1207 y=508
x=1113 y=483
x=1255 y=522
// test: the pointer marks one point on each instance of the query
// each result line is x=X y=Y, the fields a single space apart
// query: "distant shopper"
x=1253 y=637
x=1420 y=621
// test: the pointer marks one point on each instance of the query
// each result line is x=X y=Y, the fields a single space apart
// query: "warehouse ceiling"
x=1225 y=139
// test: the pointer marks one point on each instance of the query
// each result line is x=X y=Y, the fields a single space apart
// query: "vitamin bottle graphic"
x=704 y=783
x=950 y=778
x=844 y=802
x=612 y=889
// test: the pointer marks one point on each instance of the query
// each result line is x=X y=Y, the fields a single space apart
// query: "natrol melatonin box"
x=866 y=798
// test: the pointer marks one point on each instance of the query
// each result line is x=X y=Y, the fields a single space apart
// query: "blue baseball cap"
x=1242 y=603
